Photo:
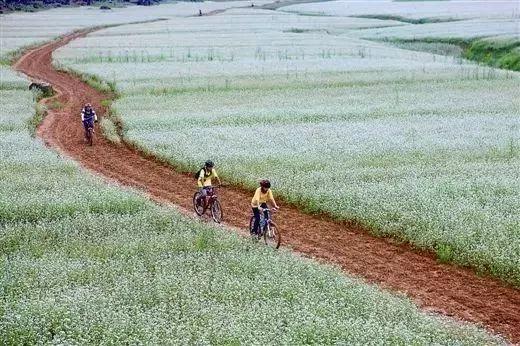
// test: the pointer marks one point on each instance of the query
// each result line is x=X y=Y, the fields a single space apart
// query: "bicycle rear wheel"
x=90 y=136
x=216 y=211
x=198 y=207
x=272 y=236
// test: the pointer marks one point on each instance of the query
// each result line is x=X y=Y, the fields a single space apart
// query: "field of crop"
x=419 y=146
x=484 y=31
x=19 y=30
x=83 y=262
x=443 y=10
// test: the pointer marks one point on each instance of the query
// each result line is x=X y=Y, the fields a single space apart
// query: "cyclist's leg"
x=256 y=227
x=203 y=193
x=85 y=127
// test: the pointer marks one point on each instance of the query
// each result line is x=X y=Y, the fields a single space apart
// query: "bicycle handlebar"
x=273 y=210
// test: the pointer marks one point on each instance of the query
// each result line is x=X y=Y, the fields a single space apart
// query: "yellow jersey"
x=261 y=197
x=205 y=178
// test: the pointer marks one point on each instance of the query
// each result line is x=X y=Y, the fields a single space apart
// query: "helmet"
x=265 y=183
x=209 y=164
x=88 y=105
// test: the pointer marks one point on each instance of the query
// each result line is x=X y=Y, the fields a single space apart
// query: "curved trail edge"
x=442 y=288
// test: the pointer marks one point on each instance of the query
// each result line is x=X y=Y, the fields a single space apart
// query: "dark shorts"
x=203 y=192
x=256 y=213
x=88 y=123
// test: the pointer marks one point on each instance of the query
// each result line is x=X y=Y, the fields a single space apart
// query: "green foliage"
x=110 y=130
x=445 y=253
x=499 y=53
x=425 y=20
x=495 y=52
x=35 y=121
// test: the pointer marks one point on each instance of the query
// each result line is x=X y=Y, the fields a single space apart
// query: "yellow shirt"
x=261 y=197
x=205 y=178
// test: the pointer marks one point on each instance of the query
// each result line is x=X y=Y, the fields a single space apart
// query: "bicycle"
x=89 y=134
x=268 y=229
x=212 y=203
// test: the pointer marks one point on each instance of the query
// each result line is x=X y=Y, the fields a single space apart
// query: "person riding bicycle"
x=259 y=202
x=88 y=117
x=204 y=181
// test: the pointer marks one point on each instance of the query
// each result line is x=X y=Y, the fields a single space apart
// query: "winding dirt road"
x=447 y=289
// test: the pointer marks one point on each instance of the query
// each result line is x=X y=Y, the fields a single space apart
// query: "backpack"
x=197 y=174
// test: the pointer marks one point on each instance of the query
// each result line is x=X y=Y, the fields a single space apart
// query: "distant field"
x=420 y=146
x=483 y=31
x=19 y=30
x=83 y=262
x=451 y=9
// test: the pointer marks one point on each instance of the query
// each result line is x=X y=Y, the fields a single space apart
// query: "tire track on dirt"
x=448 y=289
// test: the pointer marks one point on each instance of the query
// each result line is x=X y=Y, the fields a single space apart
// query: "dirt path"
x=447 y=289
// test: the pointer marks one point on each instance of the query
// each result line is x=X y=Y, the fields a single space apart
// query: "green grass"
x=110 y=130
x=496 y=52
x=426 y=20
x=40 y=112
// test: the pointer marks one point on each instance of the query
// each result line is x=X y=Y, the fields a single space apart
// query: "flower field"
x=454 y=9
x=84 y=262
x=20 y=30
x=419 y=146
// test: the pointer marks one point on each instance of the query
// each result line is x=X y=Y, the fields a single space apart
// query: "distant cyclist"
x=205 y=179
x=259 y=202
x=88 y=117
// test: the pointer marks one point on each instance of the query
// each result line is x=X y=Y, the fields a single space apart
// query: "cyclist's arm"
x=201 y=179
x=271 y=199
x=95 y=116
x=82 y=115
x=255 y=203
x=217 y=177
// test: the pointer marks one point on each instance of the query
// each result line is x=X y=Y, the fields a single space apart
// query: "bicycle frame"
x=209 y=200
x=265 y=221
x=89 y=131
x=211 y=196
x=268 y=229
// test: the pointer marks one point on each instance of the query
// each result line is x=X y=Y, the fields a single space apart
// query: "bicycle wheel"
x=90 y=136
x=272 y=236
x=216 y=211
x=251 y=224
x=198 y=207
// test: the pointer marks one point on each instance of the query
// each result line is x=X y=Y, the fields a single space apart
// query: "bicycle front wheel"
x=198 y=207
x=272 y=236
x=252 y=224
x=216 y=211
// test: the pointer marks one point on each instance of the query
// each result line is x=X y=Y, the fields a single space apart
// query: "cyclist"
x=259 y=202
x=88 y=117
x=204 y=181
